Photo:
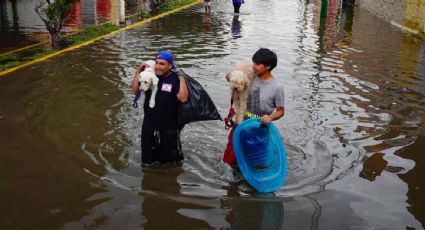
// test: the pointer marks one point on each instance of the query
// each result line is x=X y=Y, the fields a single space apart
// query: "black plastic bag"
x=199 y=106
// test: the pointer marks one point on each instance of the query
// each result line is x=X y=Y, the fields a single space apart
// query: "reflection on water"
x=236 y=27
x=354 y=127
x=256 y=214
x=206 y=22
x=373 y=166
x=162 y=207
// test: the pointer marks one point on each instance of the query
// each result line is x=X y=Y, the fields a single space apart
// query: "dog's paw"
x=151 y=104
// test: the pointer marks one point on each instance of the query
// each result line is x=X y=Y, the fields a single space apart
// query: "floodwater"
x=353 y=128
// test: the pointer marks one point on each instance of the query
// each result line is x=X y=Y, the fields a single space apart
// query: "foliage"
x=158 y=6
x=88 y=34
x=59 y=8
x=143 y=13
x=54 y=15
x=166 y=5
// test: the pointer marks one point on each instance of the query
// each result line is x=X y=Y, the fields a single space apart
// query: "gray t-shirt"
x=264 y=97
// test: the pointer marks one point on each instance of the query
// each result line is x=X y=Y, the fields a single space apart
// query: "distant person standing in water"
x=207 y=4
x=237 y=5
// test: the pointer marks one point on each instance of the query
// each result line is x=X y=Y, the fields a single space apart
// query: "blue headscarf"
x=166 y=55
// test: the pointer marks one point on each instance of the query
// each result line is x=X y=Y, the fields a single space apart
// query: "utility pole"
x=122 y=12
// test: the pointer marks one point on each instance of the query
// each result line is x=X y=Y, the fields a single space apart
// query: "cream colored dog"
x=149 y=81
x=240 y=80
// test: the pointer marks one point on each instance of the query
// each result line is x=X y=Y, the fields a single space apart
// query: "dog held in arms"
x=240 y=81
x=149 y=81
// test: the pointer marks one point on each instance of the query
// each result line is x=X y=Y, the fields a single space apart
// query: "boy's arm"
x=277 y=114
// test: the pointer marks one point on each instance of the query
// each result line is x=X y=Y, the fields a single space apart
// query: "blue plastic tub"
x=260 y=154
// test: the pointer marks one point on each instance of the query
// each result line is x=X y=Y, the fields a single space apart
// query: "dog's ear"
x=155 y=80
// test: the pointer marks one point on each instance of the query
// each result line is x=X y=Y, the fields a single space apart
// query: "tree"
x=53 y=14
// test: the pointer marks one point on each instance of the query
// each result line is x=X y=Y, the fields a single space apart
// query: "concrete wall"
x=404 y=13
x=415 y=15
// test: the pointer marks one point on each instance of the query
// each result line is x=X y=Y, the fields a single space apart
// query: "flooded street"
x=354 y=127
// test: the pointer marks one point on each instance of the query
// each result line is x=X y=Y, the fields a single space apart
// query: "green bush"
x=88 y=33
x=172 y=4
x=143 y=14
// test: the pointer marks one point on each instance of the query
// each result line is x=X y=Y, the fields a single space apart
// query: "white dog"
x=149 y=81
x=240 y=80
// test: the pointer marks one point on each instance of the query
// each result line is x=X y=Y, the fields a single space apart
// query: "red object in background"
x=74 y=20
x=103 y=9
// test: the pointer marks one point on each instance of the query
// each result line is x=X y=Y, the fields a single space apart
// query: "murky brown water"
x=354 y=127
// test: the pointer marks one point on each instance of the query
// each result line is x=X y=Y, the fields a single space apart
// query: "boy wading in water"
x=266 y=95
